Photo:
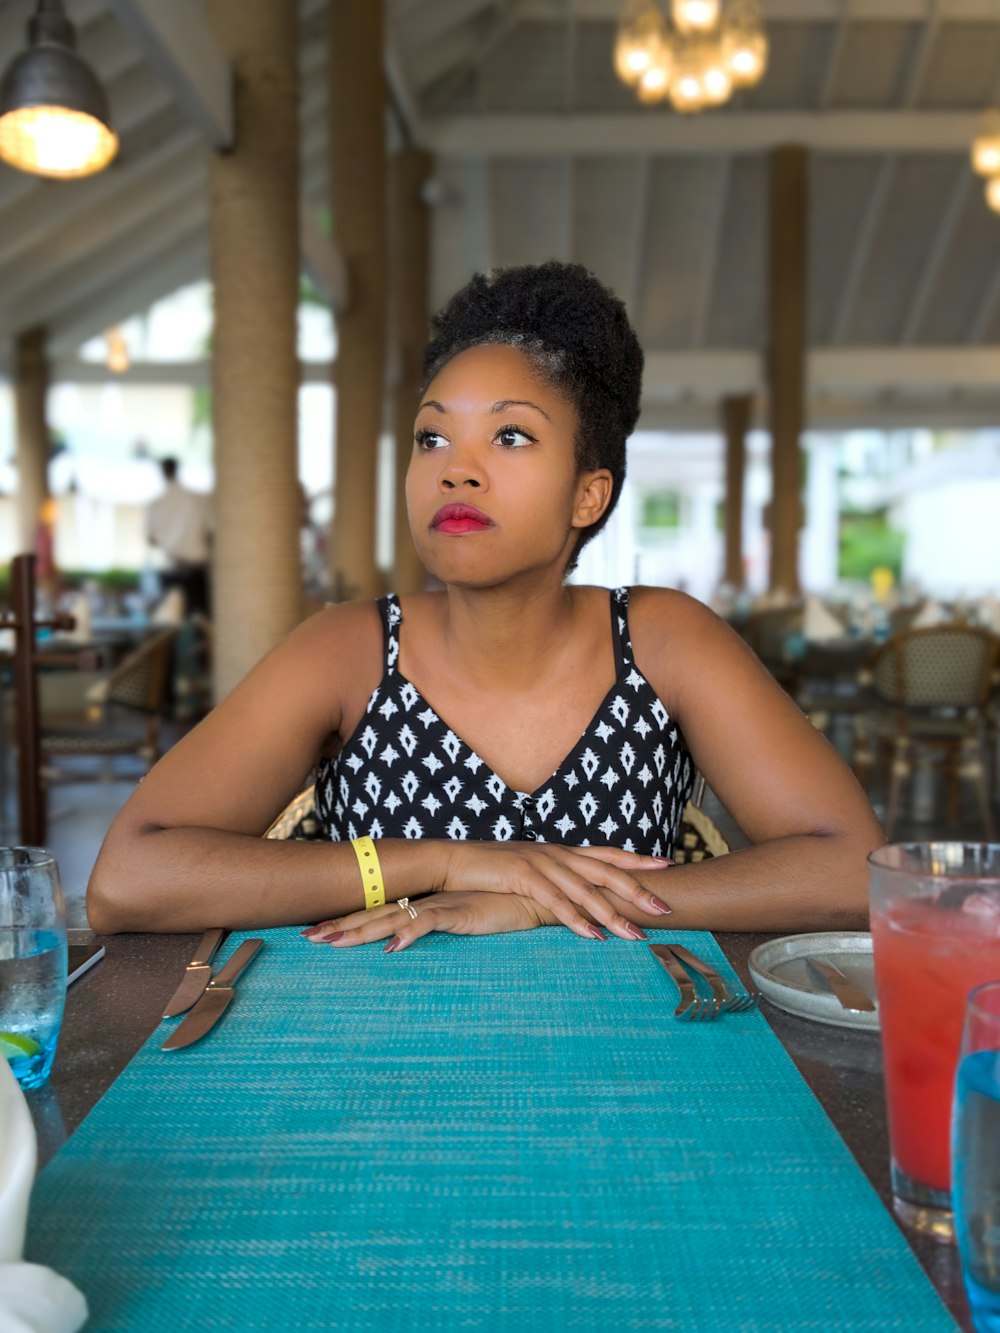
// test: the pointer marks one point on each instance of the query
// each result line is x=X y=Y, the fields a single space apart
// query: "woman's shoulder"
x=677 y=639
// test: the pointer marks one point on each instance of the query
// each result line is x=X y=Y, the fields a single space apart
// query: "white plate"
x=779 y=969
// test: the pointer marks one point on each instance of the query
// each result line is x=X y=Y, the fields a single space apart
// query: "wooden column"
x=410 y=268
x=735 y=423
x=356 y=96
x=31 y=382
x=787 y=357
x=254 y=230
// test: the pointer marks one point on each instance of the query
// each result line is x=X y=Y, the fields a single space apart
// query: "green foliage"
x=866 y=542
x=661 y=509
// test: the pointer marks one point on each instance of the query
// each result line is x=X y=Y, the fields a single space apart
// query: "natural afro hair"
x=576 y=334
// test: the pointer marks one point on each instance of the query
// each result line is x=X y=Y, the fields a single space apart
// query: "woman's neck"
x=508 y=637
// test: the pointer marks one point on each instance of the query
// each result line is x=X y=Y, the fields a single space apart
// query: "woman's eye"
x=512 y=438
x=429 y=439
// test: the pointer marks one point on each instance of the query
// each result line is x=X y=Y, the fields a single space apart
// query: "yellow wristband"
x=371 y=872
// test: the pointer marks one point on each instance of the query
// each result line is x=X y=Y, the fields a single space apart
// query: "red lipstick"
x=458 y=518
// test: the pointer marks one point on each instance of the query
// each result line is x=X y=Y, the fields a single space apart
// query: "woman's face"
x=493 y=488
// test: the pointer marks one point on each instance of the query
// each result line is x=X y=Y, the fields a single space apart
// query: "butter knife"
x=196 y=974
x=214 y=1002
x=849 y=995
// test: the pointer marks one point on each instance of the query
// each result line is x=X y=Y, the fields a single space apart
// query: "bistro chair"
x=697 y=839
x=768 y=631
x=124 y=713
x=931 y=689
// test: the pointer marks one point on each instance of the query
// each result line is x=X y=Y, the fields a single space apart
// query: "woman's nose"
x=461 y=468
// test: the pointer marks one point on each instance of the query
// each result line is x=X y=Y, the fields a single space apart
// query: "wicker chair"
x=698 y=837
x=933 y=686
x=124 y=713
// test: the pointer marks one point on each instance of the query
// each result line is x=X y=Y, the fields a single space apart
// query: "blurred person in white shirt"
x=179 y=523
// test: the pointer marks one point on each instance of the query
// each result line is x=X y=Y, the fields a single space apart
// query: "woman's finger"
x=568 y=895
x=599 y=873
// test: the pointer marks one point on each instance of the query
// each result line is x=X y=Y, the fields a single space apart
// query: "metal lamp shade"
x=54 y=117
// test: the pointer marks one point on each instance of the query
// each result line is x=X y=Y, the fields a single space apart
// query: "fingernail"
x=311 y=931
x=658 y=904
x=663 y=860
x=596 y=932
x=633 y=930
x=333 y=935
x=393 y=945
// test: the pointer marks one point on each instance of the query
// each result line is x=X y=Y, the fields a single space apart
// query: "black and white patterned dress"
x=405 y=774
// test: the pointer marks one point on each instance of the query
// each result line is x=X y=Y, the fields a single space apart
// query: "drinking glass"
x=976 y=1155
x=935 y=922
x=32 y=961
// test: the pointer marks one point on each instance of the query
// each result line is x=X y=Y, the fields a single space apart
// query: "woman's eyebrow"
x=503 y=405
x=431 y=402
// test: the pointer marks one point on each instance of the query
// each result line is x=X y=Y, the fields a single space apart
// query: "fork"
x=737 y=1003
x=693 y=1007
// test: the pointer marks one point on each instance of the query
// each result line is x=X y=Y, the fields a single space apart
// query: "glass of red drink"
x=935 y=922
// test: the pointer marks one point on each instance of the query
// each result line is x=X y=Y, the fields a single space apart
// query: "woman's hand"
x=454 y=913
x=569 y=883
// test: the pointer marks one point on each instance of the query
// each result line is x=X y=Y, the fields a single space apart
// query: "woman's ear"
x=593 y=495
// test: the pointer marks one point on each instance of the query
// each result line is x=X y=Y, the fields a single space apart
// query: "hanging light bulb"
x=716 y=77
x=744 y=42
x=687 y=85
x=993 y=193
x=118 y=358
x=986 y=145
x=695 y=15
x=639 y=41
x=54 y=117
x=654 y=83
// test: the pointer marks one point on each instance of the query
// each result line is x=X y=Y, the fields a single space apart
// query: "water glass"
x=32 y=961
x=976 y=1155
x=935 y=922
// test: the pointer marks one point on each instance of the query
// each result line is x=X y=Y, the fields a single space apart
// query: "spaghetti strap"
x=619 y=630
x=392 y=616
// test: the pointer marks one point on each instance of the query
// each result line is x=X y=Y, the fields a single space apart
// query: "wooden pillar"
x=735 y=423
x=410 y=269
x=254 y=228
x=787 y=357
x=31 y=378
x=356 y=96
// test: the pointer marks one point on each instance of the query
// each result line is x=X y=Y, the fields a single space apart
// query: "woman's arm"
x=809 y=822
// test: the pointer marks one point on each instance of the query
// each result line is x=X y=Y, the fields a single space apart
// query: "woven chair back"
x=142 y=681
x=946 y=666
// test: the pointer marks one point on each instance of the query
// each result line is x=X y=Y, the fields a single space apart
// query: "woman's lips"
x=461 y=518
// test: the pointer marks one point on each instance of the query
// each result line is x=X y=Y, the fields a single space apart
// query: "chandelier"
x=697 y=57
x=985 y=155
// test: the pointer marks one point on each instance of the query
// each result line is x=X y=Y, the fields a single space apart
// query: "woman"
x=519 y=749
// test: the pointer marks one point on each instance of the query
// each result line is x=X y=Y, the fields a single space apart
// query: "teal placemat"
x=499 y=1133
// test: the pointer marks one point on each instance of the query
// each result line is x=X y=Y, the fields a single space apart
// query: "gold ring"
x=404 y=903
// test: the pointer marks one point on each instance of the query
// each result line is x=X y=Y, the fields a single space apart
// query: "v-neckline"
x=518 y=795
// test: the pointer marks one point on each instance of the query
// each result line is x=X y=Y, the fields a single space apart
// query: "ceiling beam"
x=181 y=47
x=835 y=415
x=722 y=132
x=713 y=255
x=674 y=376
x=931 y=268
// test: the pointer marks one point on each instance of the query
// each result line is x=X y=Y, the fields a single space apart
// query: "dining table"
x=499 y=1132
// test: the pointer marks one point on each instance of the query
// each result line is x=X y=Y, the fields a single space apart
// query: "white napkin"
x=988 y=612
x=33 y=1299
x=931 y=613
x=820 y=625
x=80 y=611
x=171 y=610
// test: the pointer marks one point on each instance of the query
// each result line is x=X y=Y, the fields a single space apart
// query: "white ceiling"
x=540 y=152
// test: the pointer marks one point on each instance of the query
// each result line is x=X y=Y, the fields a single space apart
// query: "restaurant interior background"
x=837 y=185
